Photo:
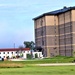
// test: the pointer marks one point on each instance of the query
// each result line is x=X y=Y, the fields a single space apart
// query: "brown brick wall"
x=57 y=34
x=65 y=32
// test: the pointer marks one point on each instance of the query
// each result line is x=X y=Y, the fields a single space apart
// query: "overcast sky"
x=16 y=24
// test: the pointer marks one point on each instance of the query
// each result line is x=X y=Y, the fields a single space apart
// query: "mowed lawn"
x=28 y=67
x=37 y=70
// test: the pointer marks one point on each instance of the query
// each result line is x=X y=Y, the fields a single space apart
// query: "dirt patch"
x=56 y=64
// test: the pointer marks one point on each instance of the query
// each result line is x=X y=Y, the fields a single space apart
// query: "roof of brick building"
x=56 y=12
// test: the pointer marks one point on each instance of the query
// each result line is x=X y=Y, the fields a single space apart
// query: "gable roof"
x=13 y=49
x=56 y=12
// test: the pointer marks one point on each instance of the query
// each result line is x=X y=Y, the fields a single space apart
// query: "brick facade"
x=55 y=32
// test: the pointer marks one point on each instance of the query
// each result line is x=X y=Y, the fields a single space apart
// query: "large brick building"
x=55 y=32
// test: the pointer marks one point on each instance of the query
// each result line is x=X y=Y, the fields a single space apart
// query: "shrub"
x=7 y=57
x=13 y=57
x=10 y=65
x=29 y=56
x=36 y=56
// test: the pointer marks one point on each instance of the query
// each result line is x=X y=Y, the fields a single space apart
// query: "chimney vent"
x=64 y=7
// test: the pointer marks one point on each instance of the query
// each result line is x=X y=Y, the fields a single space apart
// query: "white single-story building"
x=18 y=53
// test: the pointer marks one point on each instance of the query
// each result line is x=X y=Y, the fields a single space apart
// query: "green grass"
x=37 y=70
x=48 y=60
x=58 y=59
x=28 y=67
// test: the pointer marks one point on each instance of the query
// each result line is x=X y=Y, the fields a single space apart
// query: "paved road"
x=56 y=64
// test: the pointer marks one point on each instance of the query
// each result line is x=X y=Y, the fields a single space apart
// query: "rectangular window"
x=41 y=33
x=8 y=52
x=55 y=31
x=55 y=43
x=12 y=52
x=42 y=42
x=41 y=22
x=3 y=52
x=16 y=52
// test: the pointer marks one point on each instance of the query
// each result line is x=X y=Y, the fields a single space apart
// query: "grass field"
x=37 y=70
x=59 y=59
x=29 y=67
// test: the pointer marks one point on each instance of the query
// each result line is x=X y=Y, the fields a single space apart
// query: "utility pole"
x=14 y=45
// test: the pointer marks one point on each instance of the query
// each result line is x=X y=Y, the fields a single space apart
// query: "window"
x=55 y=47
x=41 y=33
x=55 y=43
x=8 y=52
x=62 y=41
x=68 y=40
x=68 y=35
x=16 y=52
x=41 y=22
x=55 y=51
x=3 y=52
x=12 y=52
x=4 y=56
x=35 y=24
x=61 y=30
x=42 y=42
x=0 y=52
x=55 y=27
x=51 y=54
x=55 y=31
x=67 y=29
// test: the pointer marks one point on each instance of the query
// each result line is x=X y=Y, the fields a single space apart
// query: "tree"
x=19 y=52
x=29 y=44
x=38 y=48
x=21 y=47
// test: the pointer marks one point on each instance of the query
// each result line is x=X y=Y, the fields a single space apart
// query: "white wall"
x=39 y=54
x=7 y=53
x=4 y=54
x=25 y=54
x=13 y=53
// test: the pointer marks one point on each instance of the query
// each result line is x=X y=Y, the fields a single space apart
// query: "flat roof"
x=56 y=12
